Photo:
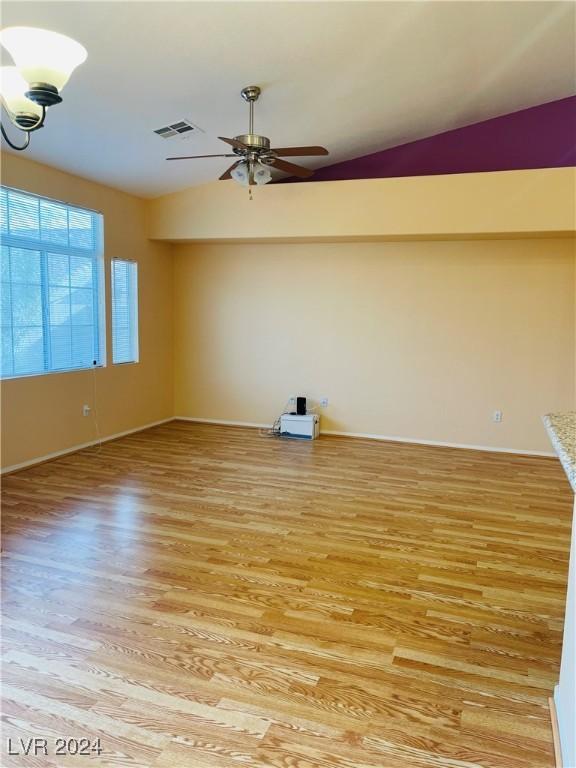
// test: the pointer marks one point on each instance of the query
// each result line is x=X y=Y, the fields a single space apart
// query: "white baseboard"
x=384 y=438
x=417 y=441
x=224 y=422
x=552 y=701
x=79 y=447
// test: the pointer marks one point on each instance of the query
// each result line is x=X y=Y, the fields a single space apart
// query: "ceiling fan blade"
x=234 y=143
x=300 y=151
x=195 y=157
x=295 y=170
x=227 y=174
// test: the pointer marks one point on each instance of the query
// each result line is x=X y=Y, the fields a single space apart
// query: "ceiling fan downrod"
x=250 y=94
x=252 y=140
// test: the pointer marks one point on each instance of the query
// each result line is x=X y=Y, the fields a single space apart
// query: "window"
x=124 y=311
x=51 y=287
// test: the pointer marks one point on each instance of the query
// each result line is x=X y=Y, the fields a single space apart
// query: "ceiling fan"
x=255 y=156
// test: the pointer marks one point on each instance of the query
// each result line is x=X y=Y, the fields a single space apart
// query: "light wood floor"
x=207 y=597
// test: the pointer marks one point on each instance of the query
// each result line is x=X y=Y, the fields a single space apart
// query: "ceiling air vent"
x=182 y=128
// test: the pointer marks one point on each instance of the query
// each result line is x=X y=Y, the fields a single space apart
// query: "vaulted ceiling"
x=356 y=77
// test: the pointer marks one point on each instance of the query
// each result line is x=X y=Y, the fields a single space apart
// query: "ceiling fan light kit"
x=43 y=62
x=255 y=154
x=247 y=168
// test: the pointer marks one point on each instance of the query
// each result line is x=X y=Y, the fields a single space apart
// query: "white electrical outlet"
x=497 y=417
x=292 y=401
x=324 y=402
x=86 y=410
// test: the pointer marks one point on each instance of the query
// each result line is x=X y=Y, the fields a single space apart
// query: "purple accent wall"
x=538 y=137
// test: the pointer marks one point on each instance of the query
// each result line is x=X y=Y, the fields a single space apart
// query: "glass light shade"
x=262 y=174
x=240 y=174
x=42 y=56
x=13 y=88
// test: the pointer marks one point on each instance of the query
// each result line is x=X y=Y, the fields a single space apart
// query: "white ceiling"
x=354 y=76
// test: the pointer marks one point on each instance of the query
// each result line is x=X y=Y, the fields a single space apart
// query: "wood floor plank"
x=200 y=596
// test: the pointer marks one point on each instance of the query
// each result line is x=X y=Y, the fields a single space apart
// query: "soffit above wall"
x=500 y=204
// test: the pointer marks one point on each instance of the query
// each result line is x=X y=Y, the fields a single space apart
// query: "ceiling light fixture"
x=255 y=154
x=43 y=61
x=249 y=172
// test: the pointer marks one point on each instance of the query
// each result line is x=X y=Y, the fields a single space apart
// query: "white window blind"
x=51 y=287
x=124 y=311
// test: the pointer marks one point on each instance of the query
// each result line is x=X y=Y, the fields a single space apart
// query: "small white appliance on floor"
x=306 y=427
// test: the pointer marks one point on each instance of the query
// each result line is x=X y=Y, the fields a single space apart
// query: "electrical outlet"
x=292 y=401
x=86 y=410
x=324 y=402
x=497 y=417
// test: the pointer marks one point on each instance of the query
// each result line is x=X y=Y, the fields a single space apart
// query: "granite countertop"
x=561 y=429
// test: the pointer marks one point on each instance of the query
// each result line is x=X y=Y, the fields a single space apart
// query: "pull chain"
x=250 y=192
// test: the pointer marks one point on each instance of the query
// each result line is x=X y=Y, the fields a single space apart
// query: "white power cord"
x=274 y=430
x=95 y=411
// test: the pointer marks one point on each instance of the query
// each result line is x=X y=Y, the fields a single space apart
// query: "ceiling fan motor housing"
x=255 y=142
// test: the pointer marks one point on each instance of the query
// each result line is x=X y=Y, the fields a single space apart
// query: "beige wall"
x=503 y=204
x=43 y=414
x=416 y=339
x=419 y=340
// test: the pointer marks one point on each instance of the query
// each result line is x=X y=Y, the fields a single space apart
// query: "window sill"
x=51 y=373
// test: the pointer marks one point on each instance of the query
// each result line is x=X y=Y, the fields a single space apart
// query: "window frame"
x=98 y=282
x=134 y=311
